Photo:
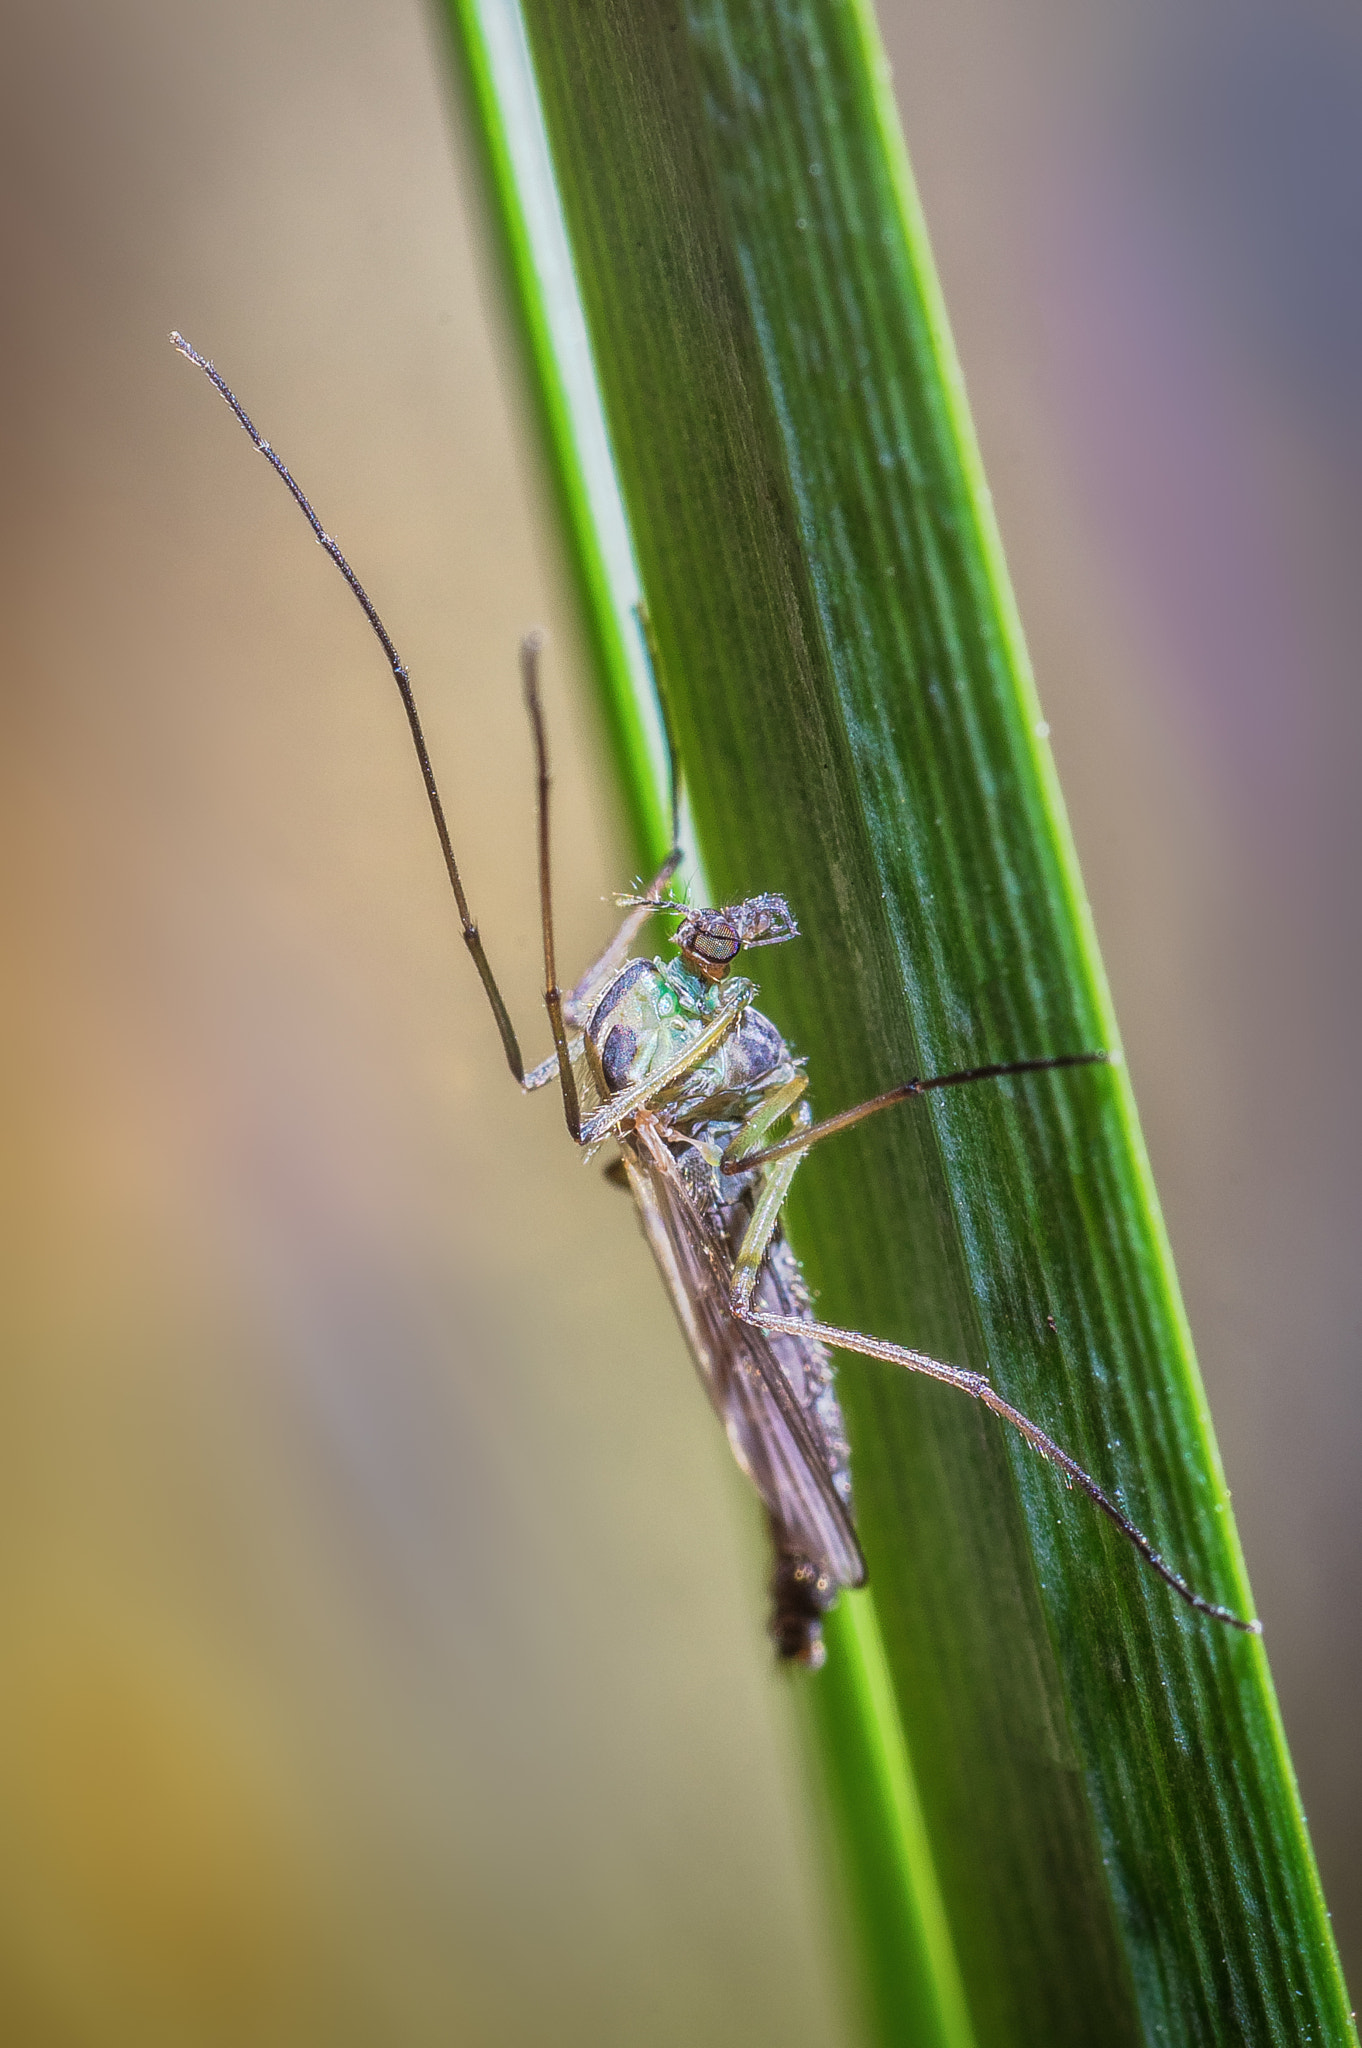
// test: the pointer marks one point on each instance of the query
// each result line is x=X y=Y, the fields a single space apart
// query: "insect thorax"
x=653 y=1009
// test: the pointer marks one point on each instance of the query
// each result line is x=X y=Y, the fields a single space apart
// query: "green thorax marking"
x=654 y=1008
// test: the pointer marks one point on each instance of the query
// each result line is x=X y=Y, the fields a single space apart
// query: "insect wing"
x=771 y=1436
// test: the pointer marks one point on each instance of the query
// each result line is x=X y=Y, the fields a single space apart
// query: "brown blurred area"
x=380 y=1623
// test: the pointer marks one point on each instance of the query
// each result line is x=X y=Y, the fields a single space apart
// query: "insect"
x=705 y=1104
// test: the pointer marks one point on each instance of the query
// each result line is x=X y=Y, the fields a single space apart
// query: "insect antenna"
x=471 y=937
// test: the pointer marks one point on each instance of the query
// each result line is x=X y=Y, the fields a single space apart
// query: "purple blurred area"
x=1149 y=223
x=381 y=1621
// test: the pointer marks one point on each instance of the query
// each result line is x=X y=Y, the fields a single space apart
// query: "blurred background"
x=381 y=1652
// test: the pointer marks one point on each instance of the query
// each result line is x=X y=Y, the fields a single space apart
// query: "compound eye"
x=715 y=943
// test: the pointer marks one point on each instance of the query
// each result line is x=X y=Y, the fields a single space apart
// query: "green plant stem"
x=1100 y=1838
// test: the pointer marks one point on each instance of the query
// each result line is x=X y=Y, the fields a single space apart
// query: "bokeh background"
x=380 y=1622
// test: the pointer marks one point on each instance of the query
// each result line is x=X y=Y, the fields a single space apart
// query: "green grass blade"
x=1099 y=1839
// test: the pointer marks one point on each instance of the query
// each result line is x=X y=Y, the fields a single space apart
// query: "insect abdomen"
x=801 y=1595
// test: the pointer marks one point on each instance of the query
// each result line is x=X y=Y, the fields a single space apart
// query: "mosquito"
x=705 y=1105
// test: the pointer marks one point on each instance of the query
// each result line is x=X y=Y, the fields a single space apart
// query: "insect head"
x=709 y=941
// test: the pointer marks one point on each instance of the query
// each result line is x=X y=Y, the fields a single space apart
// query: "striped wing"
x=770 y=1413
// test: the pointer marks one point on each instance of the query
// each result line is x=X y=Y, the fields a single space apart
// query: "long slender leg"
x=979 y=1389
x=561 y=1008
x=904 y=1092
x=581 y=1000
x=547 y=1070
x=747 y=1267
x=656 y=1087
x=530 y=649
x=577 y=1006
x=655 y=669
x=769 y=1111
x=471 y=937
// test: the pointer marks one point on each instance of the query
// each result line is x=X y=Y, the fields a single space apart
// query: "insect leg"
x=547 y=1070
x=581 y=1001
x=905 y=1091
x=769 y=1111
x=979 y=1389
x=471 y=937
x=654 y=654
x=623 y=1106
x=530 y=649
x=578 y=1005
x=780 y=1163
